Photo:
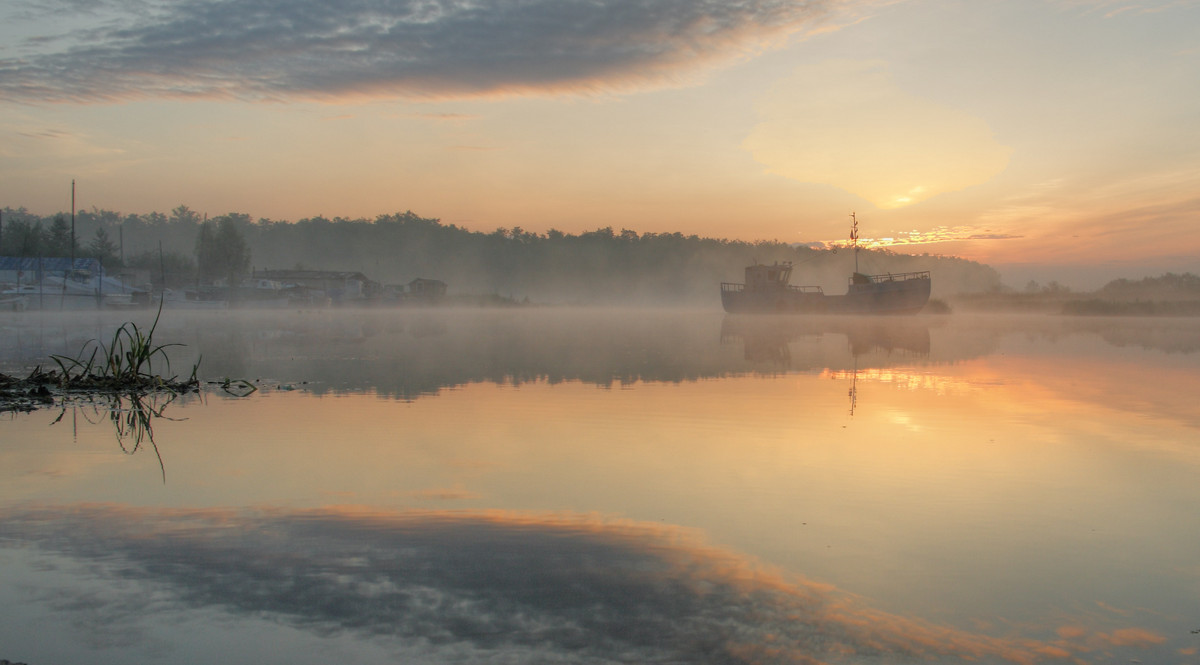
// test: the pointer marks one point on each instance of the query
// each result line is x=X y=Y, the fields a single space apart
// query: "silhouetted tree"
x=58 y=238
x=23 y=237
x=177 y=269
x=222 y=252
x=185 y=215
x=103 y=248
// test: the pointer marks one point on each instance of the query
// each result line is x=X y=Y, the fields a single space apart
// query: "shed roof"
x=48 y=264
x=311 y=274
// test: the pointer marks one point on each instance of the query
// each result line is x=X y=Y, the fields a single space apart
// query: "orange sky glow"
x=1045 y=133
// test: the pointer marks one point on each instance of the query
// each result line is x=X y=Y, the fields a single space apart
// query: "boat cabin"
x=768 y=278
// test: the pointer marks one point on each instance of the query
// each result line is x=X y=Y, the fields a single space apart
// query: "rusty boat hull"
x=903 y=293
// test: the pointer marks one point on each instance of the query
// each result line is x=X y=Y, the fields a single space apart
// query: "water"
x=590 y=486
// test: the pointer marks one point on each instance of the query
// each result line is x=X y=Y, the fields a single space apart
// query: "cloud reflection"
x=562 y=588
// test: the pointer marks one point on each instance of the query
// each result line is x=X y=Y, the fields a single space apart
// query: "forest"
x=604 y=266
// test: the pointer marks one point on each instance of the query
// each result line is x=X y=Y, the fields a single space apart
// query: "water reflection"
x=420 y=354
x=505 y=586
x=770 y=339
x=410 y=353
x=407 y=356
x=997 y=473
x=870 y=341
x=131 y=415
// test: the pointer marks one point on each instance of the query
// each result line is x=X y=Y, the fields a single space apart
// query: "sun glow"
x=847 y=124
x=917 y=237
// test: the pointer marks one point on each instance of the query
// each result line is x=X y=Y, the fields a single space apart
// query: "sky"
x=1052 y=139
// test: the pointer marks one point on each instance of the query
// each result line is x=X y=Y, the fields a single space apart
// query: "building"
x=426 y=290
x=338 y=286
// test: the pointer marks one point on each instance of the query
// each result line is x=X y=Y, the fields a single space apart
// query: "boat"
x=77 y=291
x=766 y=290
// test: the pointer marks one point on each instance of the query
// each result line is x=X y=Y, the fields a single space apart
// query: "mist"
x=602 y=267
x=1092 y=277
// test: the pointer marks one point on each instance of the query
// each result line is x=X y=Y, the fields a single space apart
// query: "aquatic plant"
x=236 y=387
x=125 y=363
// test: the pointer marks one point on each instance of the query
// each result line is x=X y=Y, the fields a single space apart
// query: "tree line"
x=600 y=266
x=183 y=247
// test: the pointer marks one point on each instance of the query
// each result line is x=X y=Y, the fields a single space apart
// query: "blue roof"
x=47 y=264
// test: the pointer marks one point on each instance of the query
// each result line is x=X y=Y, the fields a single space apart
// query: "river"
x=562 y=485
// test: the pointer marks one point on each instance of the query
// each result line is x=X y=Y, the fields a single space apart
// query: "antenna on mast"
x=854 y=238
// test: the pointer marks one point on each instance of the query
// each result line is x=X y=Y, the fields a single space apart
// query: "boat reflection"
x=769 y=340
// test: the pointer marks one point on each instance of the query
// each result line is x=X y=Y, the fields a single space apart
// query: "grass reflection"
x=132 y=416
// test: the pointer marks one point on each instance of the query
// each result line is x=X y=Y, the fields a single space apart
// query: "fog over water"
x=602 y=485
x=414 y=351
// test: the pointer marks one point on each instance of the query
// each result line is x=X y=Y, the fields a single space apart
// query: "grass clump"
x=125 y=364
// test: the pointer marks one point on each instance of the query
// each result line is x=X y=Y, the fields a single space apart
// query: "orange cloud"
x=1071 y=632
x=445 y=494
x=1131 y=637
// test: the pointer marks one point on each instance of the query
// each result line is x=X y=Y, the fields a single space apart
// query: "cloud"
x=1096 y=225
x=445 y=494
x=847 y=124
x=38 y=145
x=282 y=49
x=516 y=586
x=1114 y=8
x=441 y=117
x=1132 y=637
x=936 y=235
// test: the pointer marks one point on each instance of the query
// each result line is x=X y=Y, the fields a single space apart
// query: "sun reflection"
x=907 y=379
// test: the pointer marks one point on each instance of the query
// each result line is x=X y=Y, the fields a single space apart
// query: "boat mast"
x=854 y=238
x=854 y=386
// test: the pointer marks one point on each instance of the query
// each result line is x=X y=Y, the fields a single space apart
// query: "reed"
x=126 y=362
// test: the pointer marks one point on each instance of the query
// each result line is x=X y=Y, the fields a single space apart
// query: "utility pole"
x=72 y=224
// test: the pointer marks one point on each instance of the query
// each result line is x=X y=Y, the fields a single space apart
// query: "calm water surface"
x=596 y=486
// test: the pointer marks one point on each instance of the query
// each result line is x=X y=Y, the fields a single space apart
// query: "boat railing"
x=728 y=287
x=806 y=289
x=895 y=277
